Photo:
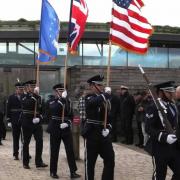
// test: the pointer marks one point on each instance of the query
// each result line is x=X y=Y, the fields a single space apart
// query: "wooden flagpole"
x=37 y=85
x=107 y=83
x=108 y=78
x=66 y=58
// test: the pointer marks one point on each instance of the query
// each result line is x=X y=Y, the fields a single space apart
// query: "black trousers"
x=128 y=131
x=37 y=131
x=104 y=148
x=166 y=156
x=55 y=141
x=140 y=134
x=16 y=132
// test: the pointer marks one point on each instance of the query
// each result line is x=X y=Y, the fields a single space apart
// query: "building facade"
x=19 y=47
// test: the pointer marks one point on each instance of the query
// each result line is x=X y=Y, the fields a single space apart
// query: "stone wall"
x=130 y=76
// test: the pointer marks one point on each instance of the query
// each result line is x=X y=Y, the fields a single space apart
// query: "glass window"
x=91 y=50
x=62 y=49
x=174 y=58
x=12 y=47
x=26 y=48
x=2 y=47
x=156 y=57
x=118 y=55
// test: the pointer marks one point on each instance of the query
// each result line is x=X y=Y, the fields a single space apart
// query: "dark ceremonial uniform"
x=163 y=153
x=96 y=143
x=29 y=101
x=57 y=134
x=14 y=109
x=1 y=127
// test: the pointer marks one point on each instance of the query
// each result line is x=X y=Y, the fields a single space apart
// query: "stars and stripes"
x=129 y=28
x=79 y=16
x=49 y=32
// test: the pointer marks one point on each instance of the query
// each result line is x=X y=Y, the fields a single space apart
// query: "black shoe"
x=42 y=165
x=54 y=175
x=1 y=143
x=75 y=175
x=16 y=157
x=26 y=167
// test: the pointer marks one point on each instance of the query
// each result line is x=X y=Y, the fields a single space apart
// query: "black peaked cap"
x=98 y=79
x=58 y=86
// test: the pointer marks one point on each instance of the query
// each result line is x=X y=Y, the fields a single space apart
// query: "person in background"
x=14 y=110
x=1 y=127
x=127 y=108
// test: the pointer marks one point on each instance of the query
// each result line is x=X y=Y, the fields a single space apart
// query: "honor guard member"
x=98 y=141
x=60 y=115
x=31 y=124
x=164 y=145
x=14 y=109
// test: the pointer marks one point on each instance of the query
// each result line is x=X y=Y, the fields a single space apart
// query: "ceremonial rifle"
x=159 y=105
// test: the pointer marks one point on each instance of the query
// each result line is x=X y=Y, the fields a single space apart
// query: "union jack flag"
x=77 y=24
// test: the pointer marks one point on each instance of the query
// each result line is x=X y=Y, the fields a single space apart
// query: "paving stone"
x=131 y=163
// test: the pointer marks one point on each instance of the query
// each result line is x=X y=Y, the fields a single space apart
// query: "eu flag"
x=49 y=33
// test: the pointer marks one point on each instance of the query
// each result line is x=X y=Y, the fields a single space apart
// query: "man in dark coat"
x=14 y=110
x=60 y=115
x=97 y=129
x=164 y=143
x=31 y=120
x=127 y=108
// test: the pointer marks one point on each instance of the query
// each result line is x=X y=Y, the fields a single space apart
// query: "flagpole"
x=108 y=76
x=66 y=58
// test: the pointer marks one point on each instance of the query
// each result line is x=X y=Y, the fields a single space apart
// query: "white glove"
x=9 y=125
x=36 y=90
x=105 y=132
x=63 y=125
x=171 y=138
x=36 y=120
x=64 y=94
x=107 y=90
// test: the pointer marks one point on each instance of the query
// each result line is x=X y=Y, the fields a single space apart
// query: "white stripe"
x=86 y=160
x=154 y=167
x=159 y=137
x=131 y=19
x=103 y=97
x=137 y=4
x=128 y=40
x=83 y=9
x=128 y=27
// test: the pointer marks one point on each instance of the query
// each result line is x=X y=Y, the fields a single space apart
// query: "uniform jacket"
x=154 y=127
x=95 y=112
x=55 y=110
x=14 y=108
x=29 y=101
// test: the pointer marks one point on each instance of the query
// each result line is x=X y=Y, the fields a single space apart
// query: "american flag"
x=77 y=23
x=129 y=28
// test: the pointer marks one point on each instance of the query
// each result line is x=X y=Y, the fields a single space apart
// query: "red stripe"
x=133 y=26
x=129 y=34
x=132 y=14
x=141 y=4
x=127 y=46
x=137 y=16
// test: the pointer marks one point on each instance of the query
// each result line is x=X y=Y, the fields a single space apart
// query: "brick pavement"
x=131 y=163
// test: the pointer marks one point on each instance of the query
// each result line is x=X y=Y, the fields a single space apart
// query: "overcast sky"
x=158 y=12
